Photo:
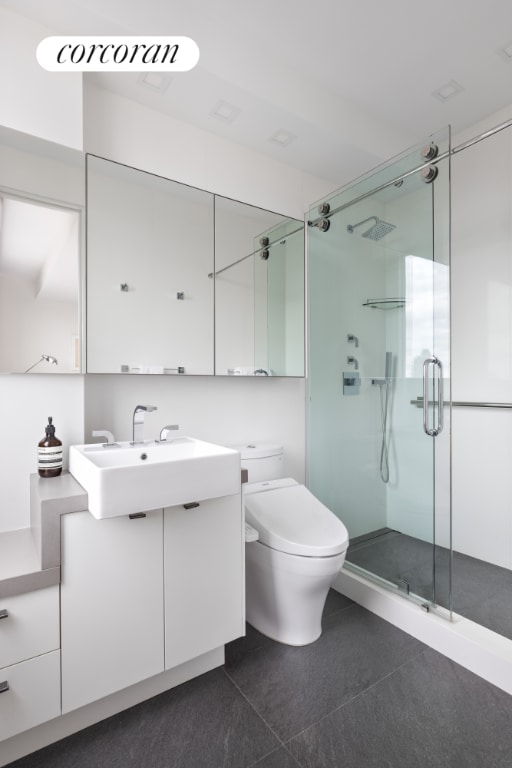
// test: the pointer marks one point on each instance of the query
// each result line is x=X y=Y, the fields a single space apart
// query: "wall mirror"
x=181 y=281
x=149 y=256
x=259 y=291
x=41 y=207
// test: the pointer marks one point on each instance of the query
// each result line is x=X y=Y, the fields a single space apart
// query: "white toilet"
x=300 y=548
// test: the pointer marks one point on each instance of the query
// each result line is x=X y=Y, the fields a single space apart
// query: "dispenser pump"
x=49 y=453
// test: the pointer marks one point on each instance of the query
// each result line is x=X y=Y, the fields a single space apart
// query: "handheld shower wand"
x=384 y=403
x=388 y=367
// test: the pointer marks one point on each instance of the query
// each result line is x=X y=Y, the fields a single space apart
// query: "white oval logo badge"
x=117 y=54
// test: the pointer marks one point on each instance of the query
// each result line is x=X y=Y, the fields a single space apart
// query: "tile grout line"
x=356 y=696
x=242 y=694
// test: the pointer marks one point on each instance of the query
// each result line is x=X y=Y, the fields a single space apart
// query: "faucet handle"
x=104 y=433
x=165 y=430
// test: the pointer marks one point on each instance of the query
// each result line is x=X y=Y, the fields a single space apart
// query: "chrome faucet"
x=138 y=422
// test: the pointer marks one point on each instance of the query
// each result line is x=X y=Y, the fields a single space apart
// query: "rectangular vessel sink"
x=124 y=479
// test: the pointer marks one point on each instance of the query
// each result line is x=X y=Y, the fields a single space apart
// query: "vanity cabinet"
x=203 y=576
x=144 y=594
x=111 y=604
x=29 y=660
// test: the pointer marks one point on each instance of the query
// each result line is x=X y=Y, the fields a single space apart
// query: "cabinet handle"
x=137 y=515
x=4 y=687
x=4 y=613
x=191 y=505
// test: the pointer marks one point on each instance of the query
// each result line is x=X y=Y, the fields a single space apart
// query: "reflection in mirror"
x=149 y=252
x=40 y=188
x=259 y=291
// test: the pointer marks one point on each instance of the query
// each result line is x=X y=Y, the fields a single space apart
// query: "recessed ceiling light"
x=225 y=111
x=282 y=138
x=506 y=51
x=154 y=81
x=448 y=90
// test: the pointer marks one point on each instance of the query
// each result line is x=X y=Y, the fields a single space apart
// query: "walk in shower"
x=379 y=369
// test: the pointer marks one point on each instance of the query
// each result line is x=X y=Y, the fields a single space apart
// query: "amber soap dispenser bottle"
x=49 y=453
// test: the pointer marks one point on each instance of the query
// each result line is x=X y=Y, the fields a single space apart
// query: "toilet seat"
x=290 y=519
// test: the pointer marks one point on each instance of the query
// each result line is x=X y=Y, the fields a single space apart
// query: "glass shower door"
x=379 y=368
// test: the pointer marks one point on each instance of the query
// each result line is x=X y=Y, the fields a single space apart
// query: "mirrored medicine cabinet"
x=182 y=281
x=41 y=214
x=176 y=280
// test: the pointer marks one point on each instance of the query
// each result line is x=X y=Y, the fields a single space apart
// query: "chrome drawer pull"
x=4 y=613
x=4 y=686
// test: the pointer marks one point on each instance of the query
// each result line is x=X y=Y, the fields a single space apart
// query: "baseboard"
x=54 y=730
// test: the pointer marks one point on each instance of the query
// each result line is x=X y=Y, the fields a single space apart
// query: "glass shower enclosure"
x=379 y=369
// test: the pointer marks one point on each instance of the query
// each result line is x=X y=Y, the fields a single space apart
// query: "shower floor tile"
x=481 y=592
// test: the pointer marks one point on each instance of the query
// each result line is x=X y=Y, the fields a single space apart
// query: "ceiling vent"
x=448 y=91
x=225 y=112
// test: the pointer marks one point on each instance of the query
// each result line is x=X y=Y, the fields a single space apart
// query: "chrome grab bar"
x=419 y=403
x=436 y=430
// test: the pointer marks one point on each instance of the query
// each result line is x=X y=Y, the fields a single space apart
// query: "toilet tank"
x=263 y=461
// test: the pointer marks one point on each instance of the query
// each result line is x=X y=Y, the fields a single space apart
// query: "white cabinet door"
x=111 y=604
x=204 y=577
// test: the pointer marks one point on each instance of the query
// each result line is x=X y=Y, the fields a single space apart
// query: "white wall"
x=229 y=410
x=30 y=327
x=33 y=100
x=482 y=343
x=49 y=107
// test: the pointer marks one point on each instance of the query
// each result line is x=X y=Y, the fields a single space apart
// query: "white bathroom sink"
x=125 y=479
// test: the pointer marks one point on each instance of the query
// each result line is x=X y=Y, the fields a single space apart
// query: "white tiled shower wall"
x=482 y=343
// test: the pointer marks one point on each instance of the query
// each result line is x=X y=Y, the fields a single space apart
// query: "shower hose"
x=384 y=458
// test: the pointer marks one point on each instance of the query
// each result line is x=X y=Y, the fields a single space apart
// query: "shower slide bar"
x=461 y=404
x=259 y=250
x=396 y=181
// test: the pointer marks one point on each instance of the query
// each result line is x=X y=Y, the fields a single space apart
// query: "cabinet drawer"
x=31 y=626
x=33 y=695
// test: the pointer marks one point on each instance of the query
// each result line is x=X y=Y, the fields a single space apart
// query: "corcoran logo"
x=117 y=54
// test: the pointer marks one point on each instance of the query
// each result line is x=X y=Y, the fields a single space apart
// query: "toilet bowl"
x=301 y=547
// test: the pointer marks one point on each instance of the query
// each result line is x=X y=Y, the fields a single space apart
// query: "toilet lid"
x=290 y=519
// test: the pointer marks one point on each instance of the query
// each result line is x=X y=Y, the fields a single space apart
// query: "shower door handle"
x=434 y=431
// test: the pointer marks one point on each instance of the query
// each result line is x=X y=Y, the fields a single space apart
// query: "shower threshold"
x=482 y=592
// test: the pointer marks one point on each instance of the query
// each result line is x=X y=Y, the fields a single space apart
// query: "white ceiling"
x=351 y=80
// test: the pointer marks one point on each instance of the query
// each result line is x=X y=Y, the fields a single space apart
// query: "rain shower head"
x=377 y=231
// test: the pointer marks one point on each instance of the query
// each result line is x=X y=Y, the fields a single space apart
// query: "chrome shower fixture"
x=429 y=151
x=264 y=253
x=377 y=231
x=429 y=173
x=322 y=224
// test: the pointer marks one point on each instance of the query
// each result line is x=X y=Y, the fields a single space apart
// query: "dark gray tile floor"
x=365 y=695
x=481 y=592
